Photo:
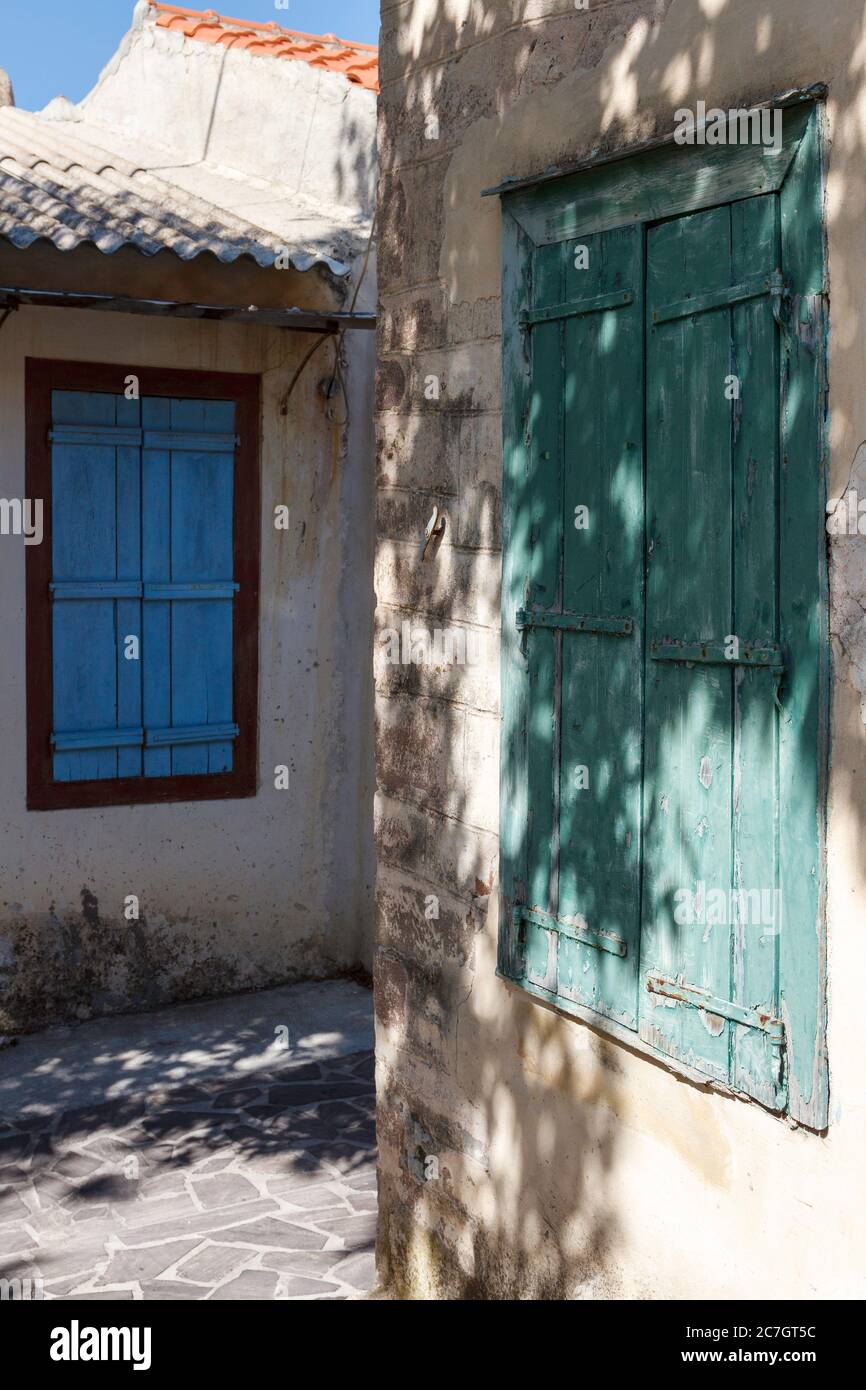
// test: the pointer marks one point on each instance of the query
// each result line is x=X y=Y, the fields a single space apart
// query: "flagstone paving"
x=258 y=1188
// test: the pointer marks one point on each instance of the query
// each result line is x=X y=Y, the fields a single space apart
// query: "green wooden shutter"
x=675 y=645
x=711 y=909
x=578 y=607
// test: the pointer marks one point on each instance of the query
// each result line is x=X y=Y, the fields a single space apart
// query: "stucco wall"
x=233 y=895
x=568 y=1165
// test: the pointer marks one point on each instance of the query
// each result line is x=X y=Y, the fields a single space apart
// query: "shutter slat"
x=689 y=710
x=602 y=677
x=84 y=546
x=202 y=500
x=156 y=569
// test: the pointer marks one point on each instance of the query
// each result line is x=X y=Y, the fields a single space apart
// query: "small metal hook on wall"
x=434 y=532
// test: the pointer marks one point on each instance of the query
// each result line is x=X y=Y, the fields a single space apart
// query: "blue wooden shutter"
x=142 y=528
x=188 y=472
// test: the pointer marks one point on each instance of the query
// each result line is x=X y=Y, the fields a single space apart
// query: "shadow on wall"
x=522 y=1148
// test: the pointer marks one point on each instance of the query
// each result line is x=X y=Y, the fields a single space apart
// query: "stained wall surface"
x=239 y=894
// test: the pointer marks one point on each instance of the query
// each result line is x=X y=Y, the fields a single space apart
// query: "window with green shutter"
x=664 y=620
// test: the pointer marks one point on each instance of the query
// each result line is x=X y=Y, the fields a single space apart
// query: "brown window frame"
x=42 y=376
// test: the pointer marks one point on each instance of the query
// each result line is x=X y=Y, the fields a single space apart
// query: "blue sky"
x=61 y=45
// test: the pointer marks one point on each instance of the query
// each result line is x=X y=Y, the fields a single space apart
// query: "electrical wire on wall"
x=336 y=385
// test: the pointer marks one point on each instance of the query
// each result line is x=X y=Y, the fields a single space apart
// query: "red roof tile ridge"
x=269 y=27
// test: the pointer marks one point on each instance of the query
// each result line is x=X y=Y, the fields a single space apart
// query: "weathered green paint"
x=705 y=521
x=663 y=183
x=803 y=631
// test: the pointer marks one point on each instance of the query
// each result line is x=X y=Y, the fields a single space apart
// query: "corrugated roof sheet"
x=58 y=187
x=359 y=62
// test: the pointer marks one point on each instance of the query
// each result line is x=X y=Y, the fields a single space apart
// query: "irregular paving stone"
x=132 y=1266
x=273 y=1234
x=76 y=1257
x=102 y=1294
x=11 y=1206
x=311 y=1263
x=14 y=1239
x=90 y=1213
x=110 y=1115
x=359 y=1270
x=158 y=1210
x=253 y=1283
x=227 y=1190
x=246 y=1135
x=307 y=1071
x=348 y=1160
x=339 y=1113
x=366 y=1068
x=364 y=1180
x=166 y=1183
x=364 y=1201
x=355 y=1231
x=352 y=1059
x=76 y=1165
x=11 y=1175
x=237 y=1099
x=205 y=1223
x=180 y=1122
x=108 y=1187
x=215 y=1164
x=110 y=1150
x=187 y=1094
x=14 y=1147
x=313 y=1094
x=50 y=1189
x=165 y=1289
x=298 y=1181
x=294 y=1286
x=313 y=1198
x=213 y=1263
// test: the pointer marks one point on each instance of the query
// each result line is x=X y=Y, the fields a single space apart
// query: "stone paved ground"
x=250 y=1177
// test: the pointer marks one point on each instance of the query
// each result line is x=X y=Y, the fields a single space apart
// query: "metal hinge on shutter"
x=767 y=656
x=575 y=622
x=772 y=284
x=696 y=998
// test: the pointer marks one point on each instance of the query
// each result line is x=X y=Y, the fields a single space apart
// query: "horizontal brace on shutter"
x=118 y=437
x=772 y=284
x=95 y=588
x=574 y=308
x=764 y=657
x=191 y=441
x=573 y=928
x=112 y=436
x=215 y=589
x=137 y=738
x=121 y=589
x=202 y=733
x=697 y=998
x=576 y=622
x=97 y=738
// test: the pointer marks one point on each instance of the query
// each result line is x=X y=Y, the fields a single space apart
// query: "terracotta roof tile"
x=359 y=62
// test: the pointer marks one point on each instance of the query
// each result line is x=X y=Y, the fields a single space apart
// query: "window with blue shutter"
x=145 y=587
x=665 y=647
